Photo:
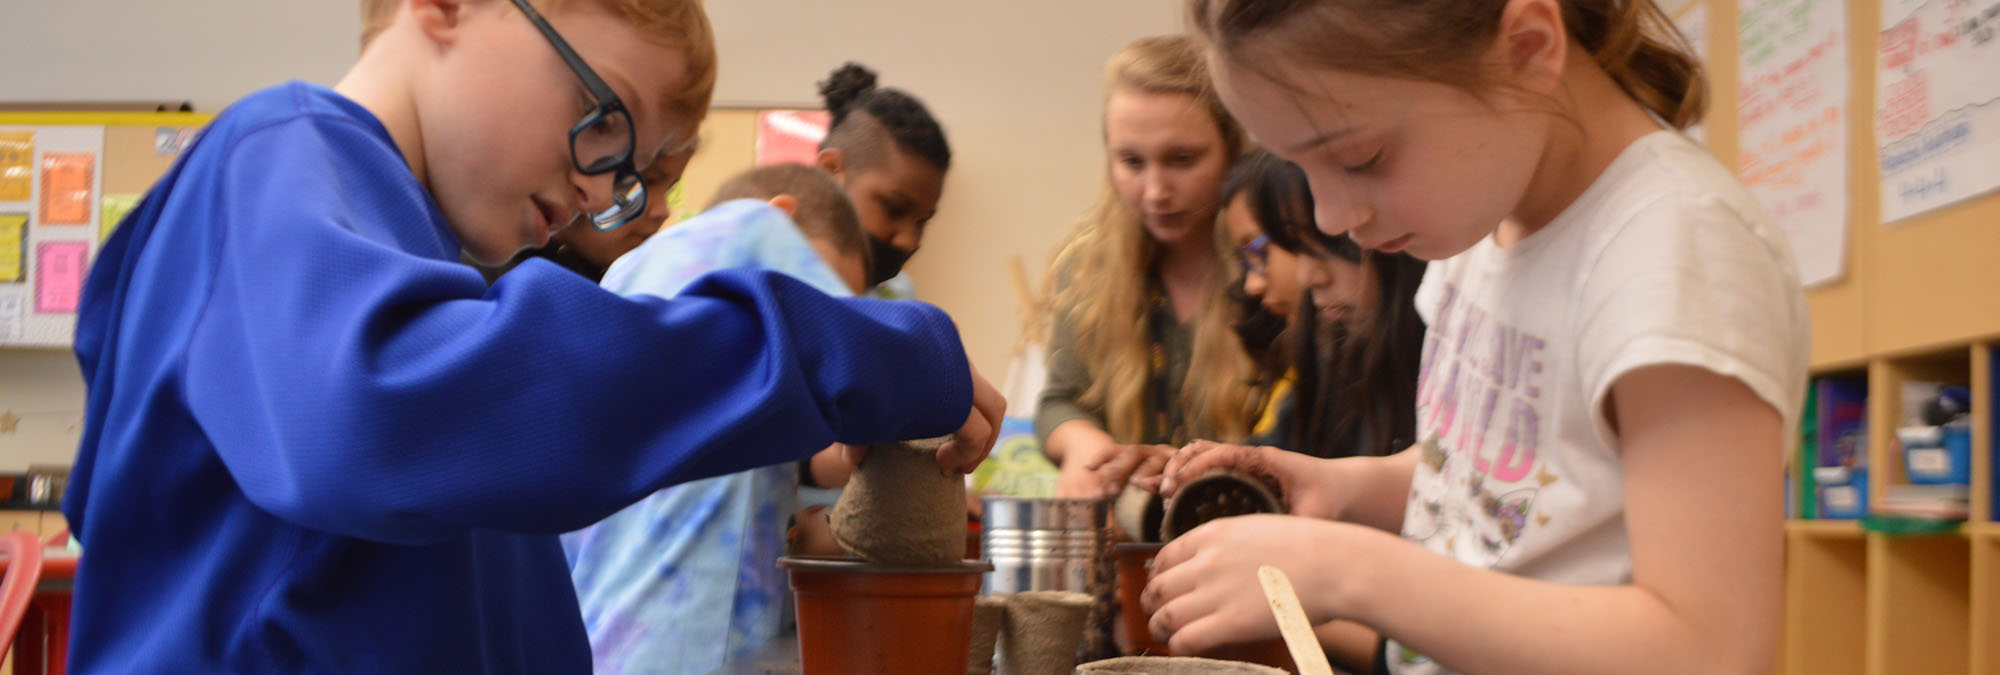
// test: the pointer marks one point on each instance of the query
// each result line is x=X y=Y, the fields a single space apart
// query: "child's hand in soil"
x=1308 y=485
x=1204 y=593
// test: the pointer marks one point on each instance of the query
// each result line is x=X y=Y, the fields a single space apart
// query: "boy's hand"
x=969 y=445
x=832 y=467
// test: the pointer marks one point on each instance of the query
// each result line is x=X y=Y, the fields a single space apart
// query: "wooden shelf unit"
x=1876 y=604
x=1918 y=300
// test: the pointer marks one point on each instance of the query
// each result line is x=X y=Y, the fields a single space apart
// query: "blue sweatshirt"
x=315 y=441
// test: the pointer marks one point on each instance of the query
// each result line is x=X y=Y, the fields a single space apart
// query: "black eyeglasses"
x=603 y=140
x=1254 y=256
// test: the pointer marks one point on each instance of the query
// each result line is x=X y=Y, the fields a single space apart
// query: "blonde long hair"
x=1109 y=259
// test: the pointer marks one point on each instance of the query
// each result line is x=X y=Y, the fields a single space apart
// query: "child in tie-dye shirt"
x=687 y=580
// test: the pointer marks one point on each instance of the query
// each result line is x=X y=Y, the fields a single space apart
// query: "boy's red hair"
x=679 y=24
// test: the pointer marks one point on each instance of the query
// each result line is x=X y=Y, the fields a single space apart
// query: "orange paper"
x=66 y=182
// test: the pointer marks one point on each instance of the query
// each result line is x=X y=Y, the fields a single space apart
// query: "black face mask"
x=887 y=261
x=1256 y=326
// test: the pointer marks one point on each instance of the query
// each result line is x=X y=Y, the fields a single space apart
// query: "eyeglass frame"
x=1254 y=256
x=619 y=165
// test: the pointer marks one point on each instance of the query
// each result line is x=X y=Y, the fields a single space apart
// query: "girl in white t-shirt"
x=1609 y=371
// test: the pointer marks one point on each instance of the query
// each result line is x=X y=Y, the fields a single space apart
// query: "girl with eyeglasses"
x=1344 y=372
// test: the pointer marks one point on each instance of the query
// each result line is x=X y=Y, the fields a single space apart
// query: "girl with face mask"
x=890 y=155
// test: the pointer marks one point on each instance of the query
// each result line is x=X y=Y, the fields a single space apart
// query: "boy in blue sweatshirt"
x=316 y=442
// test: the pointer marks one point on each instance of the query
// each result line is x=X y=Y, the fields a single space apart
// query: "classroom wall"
x=208 y=52
x=45 y=390
x=1016 y=85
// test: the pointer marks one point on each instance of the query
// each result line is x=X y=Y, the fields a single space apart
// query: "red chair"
x=17 y=588
x=43 y=647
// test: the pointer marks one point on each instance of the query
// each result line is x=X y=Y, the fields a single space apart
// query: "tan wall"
x=1018 y=88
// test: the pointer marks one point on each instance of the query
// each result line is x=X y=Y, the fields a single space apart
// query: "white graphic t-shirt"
x=1666 y=259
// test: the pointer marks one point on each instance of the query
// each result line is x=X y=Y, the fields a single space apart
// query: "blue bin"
x=1938 y=455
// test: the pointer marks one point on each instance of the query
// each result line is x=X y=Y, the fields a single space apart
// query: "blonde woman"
x=1142 y=352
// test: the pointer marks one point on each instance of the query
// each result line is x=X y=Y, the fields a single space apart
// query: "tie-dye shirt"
x=686 y=580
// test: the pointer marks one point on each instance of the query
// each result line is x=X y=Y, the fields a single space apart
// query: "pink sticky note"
x=790 y=136
x=59 y=275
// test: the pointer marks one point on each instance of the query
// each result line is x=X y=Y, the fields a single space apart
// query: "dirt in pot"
x=1215 y=495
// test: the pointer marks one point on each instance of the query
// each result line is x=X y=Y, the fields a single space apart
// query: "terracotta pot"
x=1215 y=495
x=1174 y=665
x=1135 y=568
x=859 y=617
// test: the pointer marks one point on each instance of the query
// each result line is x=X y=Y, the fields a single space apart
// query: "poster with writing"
x=1693 y=24
x=13 y=246
x=66 y=187
x=1937 y=103
x=10 y=315
x=1792 y=105
x=59 y=275
x=17 y=162
x=171 y=141
x=790 y=136
x=112 y=211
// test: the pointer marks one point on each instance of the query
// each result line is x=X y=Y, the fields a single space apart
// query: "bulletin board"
x=734 y=140
x=1918 y=256
x=66 y=179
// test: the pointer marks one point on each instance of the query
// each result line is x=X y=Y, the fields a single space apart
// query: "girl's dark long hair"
x=1356 y=392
